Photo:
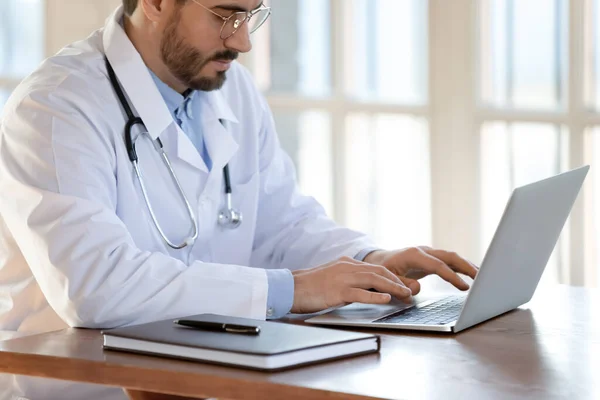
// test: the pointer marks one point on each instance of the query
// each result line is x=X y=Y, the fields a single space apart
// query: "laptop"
x=509 y=273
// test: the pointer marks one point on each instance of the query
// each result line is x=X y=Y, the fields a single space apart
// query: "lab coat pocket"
x=234 y=245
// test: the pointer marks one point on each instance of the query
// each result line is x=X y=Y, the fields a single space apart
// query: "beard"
x=185 y=62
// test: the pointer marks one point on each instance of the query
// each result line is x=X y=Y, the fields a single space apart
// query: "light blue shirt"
x=183 y=108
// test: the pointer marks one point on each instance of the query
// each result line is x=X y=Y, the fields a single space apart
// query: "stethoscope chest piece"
x=230 y=218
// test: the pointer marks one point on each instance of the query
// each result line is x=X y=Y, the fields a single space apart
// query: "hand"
x=342 y=282
x=417 y=262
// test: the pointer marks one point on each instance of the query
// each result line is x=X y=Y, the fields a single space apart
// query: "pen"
x=218 y=326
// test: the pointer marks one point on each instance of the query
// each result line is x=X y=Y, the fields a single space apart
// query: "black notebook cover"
x=275 y=339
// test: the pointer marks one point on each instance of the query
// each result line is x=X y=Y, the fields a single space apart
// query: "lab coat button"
x=270 y=312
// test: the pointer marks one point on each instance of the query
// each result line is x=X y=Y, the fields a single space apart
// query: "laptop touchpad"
x=368 y=312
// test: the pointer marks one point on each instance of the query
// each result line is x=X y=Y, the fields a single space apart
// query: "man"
x=88 y=241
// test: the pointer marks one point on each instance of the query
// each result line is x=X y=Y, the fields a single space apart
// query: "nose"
x=240 y=40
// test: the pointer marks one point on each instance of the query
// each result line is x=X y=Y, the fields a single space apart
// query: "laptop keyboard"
x=439 y=312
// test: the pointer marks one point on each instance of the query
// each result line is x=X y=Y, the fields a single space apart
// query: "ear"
x=154 y=10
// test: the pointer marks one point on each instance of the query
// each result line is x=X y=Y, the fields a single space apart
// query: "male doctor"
x=80 y=243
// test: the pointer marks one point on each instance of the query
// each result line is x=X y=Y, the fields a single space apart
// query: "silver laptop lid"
x=521 y=247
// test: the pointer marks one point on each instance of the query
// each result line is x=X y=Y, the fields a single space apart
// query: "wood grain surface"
x=547 y=349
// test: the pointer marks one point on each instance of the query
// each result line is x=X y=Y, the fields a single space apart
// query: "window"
x=592 y=55
x=523 y=58
x=21 y=42
x=413 y=120
x=352 y=113
x=538 y=106
x=523 y=53
x=591 y=152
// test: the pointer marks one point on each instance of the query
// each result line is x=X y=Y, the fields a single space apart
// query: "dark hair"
x=129 y=6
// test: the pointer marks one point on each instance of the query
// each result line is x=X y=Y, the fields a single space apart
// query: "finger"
x=382 y=271
x=475 y=266
x=385 y=272
x=356 y=295
x=431 y=264
x=360 y=266
x=455 y=262
x=368 y=280
x=412 y=284
x=348 y=262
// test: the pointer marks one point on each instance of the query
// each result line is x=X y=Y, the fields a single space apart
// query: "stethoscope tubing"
x=227 y=218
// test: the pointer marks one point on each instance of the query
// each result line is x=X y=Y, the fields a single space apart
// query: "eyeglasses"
x=231 y=24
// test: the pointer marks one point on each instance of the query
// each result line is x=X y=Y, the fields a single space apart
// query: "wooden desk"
x=548 y=349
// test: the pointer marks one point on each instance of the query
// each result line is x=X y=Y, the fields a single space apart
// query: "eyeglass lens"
x=236 y=21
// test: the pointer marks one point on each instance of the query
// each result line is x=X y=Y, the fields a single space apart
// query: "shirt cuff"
x=365 y=252
x=280 y=297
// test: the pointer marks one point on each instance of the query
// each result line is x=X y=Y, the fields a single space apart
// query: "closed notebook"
x=278 y=346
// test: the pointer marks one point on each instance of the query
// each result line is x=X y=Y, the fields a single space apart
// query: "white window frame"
x=581 y=268
x=455 y=123
x=443 y=113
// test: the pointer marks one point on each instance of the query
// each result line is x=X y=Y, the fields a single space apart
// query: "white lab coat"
x=77 y=245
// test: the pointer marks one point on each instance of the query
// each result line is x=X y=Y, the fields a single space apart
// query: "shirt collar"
x=174 y=100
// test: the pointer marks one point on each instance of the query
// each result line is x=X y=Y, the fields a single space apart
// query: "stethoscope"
x=229 y=217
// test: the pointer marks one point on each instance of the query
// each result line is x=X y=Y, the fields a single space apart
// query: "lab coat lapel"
x=217 y=119
x=187 y=152
x=179 y=148
x=220 y=144
x=145 y=97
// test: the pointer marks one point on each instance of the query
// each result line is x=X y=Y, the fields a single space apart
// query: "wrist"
x=375 y=257
x=298 y=293
x=298 y=271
